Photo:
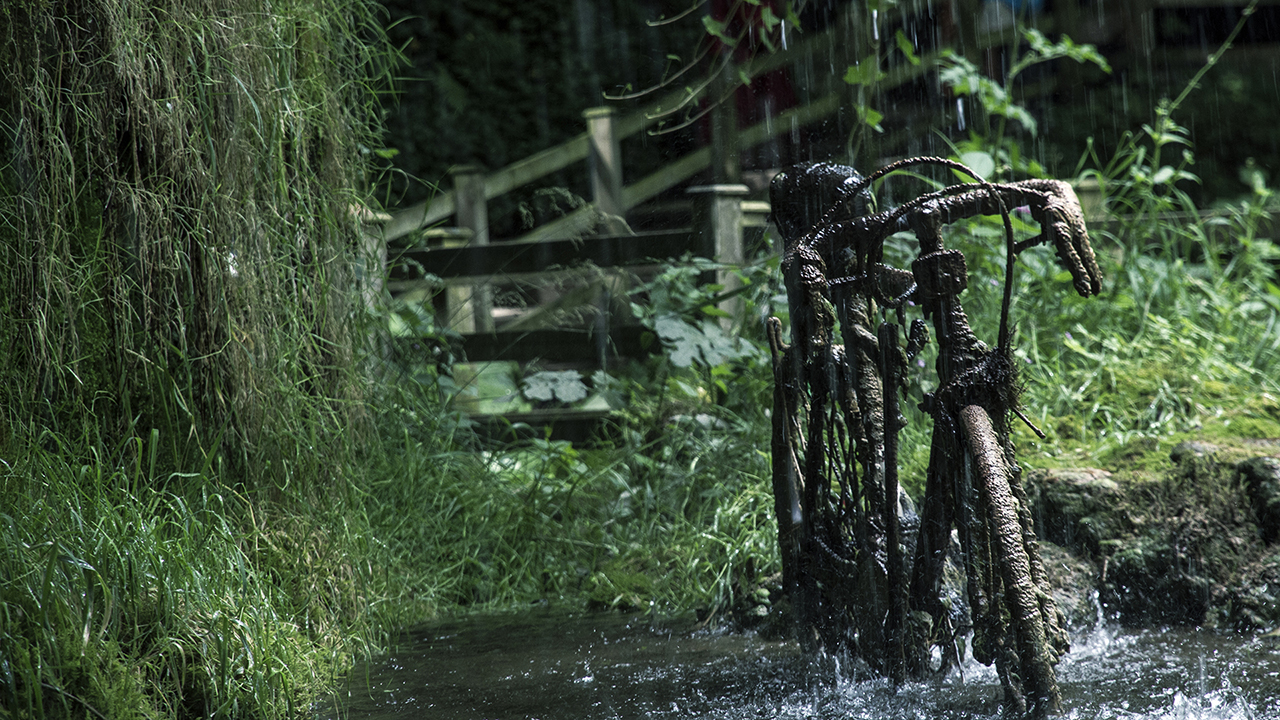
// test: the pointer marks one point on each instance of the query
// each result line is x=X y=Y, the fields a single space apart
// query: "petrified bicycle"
x=861 y=586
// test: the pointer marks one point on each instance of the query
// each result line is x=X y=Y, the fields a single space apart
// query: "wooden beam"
x=526 y=170
x=499 y=259
x=581 y=427
x=558 y=345
x=419 y=215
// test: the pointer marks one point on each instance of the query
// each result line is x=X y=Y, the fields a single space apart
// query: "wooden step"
x=499 y=259
x=560 y=346
x=581 y=427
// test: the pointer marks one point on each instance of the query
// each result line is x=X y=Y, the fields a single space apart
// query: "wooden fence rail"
x=470 y=262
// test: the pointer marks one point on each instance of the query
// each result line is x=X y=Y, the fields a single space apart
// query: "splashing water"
x=551 y=666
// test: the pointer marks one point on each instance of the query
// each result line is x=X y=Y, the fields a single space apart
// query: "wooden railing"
x=601 y=141
x=469 y=261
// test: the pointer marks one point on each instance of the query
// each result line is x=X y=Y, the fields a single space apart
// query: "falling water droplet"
x=960 y=113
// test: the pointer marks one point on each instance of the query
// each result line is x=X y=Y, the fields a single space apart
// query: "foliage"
x=1190 y=337
x=685 y=315
x=147 y=603
x=1003 y=153
x=1191 y=332
x=674 y=515
x=1200 y=331
x=159 y=275
x=1138 y=181
x=658 y=521
x=563 y=385
x=183 y=404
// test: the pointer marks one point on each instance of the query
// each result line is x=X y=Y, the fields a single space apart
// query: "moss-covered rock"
x=1077 y=508
x=1261 y=477
x=1195 y=545
x=1074 y=580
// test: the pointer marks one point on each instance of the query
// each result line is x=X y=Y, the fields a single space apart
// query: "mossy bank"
x=183 y=407
x=1183 y=533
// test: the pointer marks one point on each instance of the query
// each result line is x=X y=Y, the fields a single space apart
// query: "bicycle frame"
x=836 y=421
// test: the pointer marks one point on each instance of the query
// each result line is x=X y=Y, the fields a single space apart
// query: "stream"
x=553 y=665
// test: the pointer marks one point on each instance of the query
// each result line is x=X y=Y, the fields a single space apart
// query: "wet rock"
x=1192 y=450
x=1195 y=553
x=1254 y=603
x=1148 y=581
x=1073 y=580
x=1187 y=548
x=1079 y=509
x=1261 y=478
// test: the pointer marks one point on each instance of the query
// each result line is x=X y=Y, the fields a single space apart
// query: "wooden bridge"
x=507 y=298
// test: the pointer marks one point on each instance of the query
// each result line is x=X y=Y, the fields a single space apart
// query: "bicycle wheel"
x=1022 y=597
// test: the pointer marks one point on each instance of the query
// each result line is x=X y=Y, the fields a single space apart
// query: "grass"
x=1185 y=338
x=207 y=510
x=122 y=600
x=183 y=407
x=656 y=520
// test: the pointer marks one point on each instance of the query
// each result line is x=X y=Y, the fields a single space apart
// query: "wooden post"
x=458 y=313
x=606 y=190
x=605 y=160
x=726 y=163
x=473 y=214
x=717 y=217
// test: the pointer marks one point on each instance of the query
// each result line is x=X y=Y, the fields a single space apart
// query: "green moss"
x=99 y=678
x=1139 y=457
x=1255 y=428
x=623 y=583
x=1173 y=529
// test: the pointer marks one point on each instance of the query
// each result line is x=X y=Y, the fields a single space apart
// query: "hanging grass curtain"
x=178 y=237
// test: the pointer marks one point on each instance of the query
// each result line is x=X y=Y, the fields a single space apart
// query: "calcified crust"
x=862 y=580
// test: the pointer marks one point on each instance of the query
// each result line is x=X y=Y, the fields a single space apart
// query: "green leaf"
x=769 y=19
x=792 y=18
x=1043 y=50
x=707 y=343
x=907 y=48
x=980 y=162
x=870 y=117
x=866 y=72
x=563 y=385
x=1020 y=115
x=716 y=28
x=386 y=153
x=681 y=336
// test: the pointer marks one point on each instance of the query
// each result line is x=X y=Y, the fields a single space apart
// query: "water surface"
x=552 y=666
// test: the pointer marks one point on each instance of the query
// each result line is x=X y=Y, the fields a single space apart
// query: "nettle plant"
x=702 y=344
x=687 y=318
x=990 y=150
x=699 y=349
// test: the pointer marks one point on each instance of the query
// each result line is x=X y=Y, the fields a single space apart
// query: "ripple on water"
x=555 y=666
